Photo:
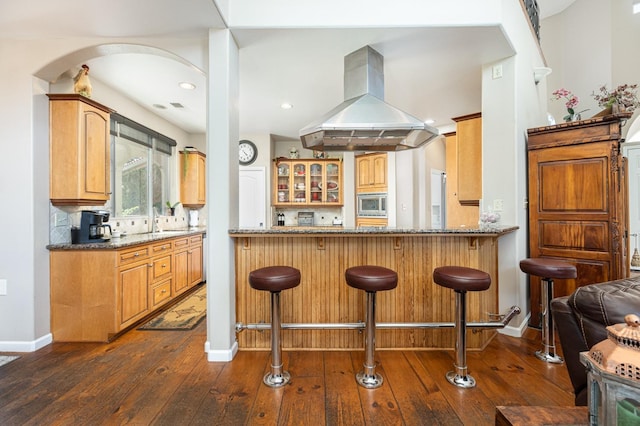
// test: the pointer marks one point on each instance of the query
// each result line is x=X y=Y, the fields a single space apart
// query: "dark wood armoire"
x=578 y=208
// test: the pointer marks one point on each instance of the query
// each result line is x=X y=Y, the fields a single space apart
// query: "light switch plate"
x=3 y=287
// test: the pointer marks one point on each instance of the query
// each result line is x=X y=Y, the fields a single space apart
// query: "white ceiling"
x=429 y=72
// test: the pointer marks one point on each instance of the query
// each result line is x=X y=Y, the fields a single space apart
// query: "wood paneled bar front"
x=323 y=297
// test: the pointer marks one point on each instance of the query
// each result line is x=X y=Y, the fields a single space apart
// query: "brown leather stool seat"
x=274 y=279
x=461 y=279
x=548 y=270
x=370 y=279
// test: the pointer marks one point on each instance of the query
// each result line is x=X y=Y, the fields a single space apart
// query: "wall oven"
x=372 y=205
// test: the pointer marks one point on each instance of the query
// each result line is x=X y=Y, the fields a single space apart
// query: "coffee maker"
x=92 y=228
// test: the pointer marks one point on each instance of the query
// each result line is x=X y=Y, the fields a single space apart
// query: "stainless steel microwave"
x=372 y=205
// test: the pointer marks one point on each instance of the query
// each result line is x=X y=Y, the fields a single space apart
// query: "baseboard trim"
x=216 y=355
x=34 y=345
x=516 y=330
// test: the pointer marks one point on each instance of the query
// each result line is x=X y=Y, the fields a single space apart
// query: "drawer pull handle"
x=164 y=266
x=136 y=254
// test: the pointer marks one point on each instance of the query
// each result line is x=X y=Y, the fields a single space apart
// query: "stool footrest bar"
x=513 y=311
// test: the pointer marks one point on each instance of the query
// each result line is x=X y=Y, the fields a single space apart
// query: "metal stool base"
x=460 y=381
x=276 y=380
x=549 y=357
x=369 y=381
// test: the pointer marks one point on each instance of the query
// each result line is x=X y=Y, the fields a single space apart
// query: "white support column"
x=222 y=194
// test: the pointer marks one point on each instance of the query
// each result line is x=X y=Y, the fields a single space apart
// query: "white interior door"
x=252 y=198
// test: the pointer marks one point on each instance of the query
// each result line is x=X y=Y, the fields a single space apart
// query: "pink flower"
x=572 y=102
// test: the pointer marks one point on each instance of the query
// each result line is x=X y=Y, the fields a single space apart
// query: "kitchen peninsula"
x=322 y=254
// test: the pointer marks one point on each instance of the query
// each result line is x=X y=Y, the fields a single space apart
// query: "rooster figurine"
x=82 y=85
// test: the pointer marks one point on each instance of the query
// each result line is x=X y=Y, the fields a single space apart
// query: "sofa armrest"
x=572 y=344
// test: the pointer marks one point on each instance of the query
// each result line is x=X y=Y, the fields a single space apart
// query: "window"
x=140 y=168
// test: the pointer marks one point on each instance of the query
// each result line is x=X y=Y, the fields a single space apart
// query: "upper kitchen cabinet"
x=469 y=149
x=192 y=179
x=307 y=182
x=371 y=172
x=80 y=156
x=457 y=214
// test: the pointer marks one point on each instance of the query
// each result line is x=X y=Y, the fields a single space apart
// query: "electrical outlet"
x=61 y=219
x=498 y=205
x=3 y=287
x=497 y=71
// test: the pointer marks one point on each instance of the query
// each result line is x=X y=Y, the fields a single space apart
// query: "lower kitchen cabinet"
x=97 y=294
x=188 y=263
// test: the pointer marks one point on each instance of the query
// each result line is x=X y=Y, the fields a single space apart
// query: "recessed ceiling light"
x=429 y=121
x=159 y=106
x=286 y=106
x=186 y=85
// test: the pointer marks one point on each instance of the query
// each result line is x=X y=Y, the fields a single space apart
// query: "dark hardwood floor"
x=163 y=378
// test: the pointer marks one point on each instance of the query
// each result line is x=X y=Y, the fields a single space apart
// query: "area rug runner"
x=6 y=359
x=184 y=315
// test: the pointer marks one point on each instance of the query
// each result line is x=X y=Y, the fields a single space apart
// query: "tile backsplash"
x=62 y=219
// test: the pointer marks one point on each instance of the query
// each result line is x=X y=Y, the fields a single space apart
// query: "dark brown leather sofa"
x=581 y=320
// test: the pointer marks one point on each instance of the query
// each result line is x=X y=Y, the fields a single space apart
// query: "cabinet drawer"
x=160 y=293
x=162 y=266
x=195 y=239
x=132 y=255
x=181 y=243
x=165 y=246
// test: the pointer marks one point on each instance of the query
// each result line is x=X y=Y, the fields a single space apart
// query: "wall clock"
x=248 y=152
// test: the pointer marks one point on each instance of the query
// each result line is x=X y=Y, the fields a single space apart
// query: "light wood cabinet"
x=98 y=294
x=458 y=214
x=193 y=167
x=306 y=182
x=371 y=172
x=80 y=151
x=188 y=263
x=578 y=209
x=371 y=221
x=469 y=157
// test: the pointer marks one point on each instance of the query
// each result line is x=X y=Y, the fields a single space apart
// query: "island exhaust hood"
x=364 y=121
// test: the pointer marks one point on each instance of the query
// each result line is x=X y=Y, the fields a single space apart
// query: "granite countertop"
x=366 y=230
x=128 y=240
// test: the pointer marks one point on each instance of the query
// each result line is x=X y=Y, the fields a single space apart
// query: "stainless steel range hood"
x=364 y=121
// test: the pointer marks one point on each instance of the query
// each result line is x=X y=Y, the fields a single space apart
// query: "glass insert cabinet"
x=307 y=182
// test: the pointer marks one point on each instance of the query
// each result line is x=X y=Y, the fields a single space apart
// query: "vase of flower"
x=571 y=104
x=620 y=100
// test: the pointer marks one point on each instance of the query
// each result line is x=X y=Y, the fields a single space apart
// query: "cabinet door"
x=363 y=165
x=333 y=183
x=469 y=139
x=371 y=170
x=192 y=179
x=181 y=272
x=282 y=183
x=202 y=186
x=195 y=265
x=379 y=167
x=133 y=287
x=80 y=152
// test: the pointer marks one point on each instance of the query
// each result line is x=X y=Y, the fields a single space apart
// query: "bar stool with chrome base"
x=461 y=279
x=547 y=270
x=370 y=279
x=275 y=279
